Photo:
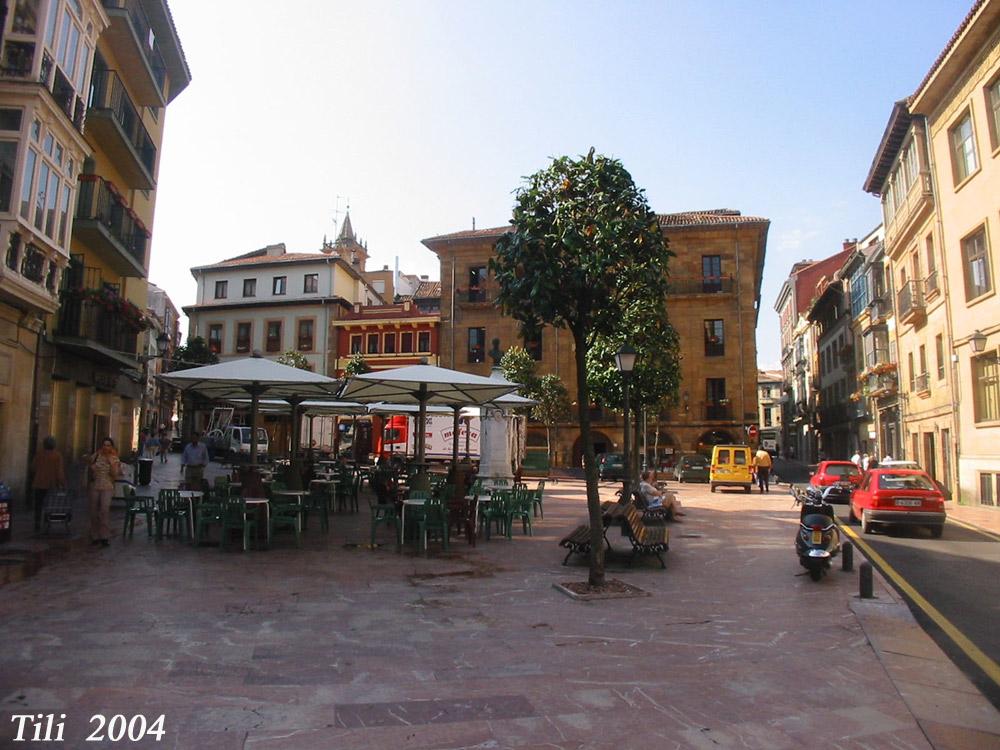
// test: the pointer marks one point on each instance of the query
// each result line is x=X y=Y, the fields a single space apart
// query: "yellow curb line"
x=984 y=662
x=973 y=527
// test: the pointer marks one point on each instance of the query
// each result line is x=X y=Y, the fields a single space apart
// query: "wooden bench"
x=647 y=537
x=577 y=542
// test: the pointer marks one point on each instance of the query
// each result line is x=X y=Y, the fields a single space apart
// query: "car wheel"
x=866 y=525
x=937 y=531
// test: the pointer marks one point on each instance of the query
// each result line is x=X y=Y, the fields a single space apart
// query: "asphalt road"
x=958 y=574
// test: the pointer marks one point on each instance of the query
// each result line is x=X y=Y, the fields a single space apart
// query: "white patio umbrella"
x=253 y=377
x=424 y=385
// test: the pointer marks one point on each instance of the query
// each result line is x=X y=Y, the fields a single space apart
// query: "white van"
x=235 y=442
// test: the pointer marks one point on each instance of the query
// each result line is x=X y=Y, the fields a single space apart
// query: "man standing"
x=194 y=459
x=762 y=465
x=48 y=475
x=856 y=459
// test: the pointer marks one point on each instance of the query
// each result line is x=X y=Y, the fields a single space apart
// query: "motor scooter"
x=817 y=541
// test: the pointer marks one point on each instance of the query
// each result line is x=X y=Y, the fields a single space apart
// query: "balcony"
x=688 y=285
x=931 y=285
x=130 y=36
x=922 y=384
x=905 y=218
x=832 y=415
x=105 y=223
x=879 y=310
x=877 y=357
x=718 y=410
x=92 y=330
x=910 y=302
x=115 y=123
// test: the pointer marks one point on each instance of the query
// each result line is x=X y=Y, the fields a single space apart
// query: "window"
x=859 y=292
x=273 y=343
x=221 y=289
x=389 y=343
x=939 y=355
x=715 y=343
x=963 y=148
x=477 y=345
x=356 y=343
x=10 y=119
x=372 y=343
x=923 y=360
x=986 y=387
x=249 y=287
x=711 y=273
x=406 y=343
x=8 y=157
x=993 y=108
x=715 y=390
x=533 y=346
x=932 y=280
x=976 y=263
x=310 y=284
x=215 y=338
x=989 y=488
x=243 y=337
x=379 y=286
x=767 y=416
x=477 y=284
x=913 y=373
x=278 y=285
x=424 y=340
x=305 y=338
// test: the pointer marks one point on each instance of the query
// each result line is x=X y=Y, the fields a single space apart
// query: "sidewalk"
x=339 y=645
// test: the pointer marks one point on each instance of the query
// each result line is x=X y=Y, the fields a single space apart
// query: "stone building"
x=713 y=301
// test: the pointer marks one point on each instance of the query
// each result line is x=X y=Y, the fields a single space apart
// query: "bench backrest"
x=643 y=534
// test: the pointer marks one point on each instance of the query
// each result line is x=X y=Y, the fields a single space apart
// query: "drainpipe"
x=955 y=385
x=453 y=264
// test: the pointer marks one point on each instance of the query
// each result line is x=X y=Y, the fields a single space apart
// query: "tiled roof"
x=892 y=139
x=973 y=11
x=807 y=279
x=428 y=290
x=708 y=218
x=246 y=260
x=684 y=219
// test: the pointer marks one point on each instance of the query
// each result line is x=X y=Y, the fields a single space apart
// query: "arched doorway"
x=711 y=438
x=601 y=442
x=662 y=447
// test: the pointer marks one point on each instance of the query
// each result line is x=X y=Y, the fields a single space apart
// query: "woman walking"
x=104 y=469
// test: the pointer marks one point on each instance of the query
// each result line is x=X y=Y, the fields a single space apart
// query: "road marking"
x=984 y=662
x=973 y=527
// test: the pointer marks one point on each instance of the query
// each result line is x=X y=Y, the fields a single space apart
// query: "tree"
x=519 y=367
x=357 y=365
x=552 y=408
x=293 y=358
x=584 y=249
x=194 y=353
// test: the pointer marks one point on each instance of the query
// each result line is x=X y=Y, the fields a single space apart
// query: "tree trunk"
x=548 y=445
x=589 y=463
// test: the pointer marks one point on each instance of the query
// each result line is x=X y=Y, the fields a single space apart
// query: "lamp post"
x=625 y=360
x=162 y=343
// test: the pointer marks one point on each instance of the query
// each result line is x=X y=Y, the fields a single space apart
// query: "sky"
x=425 y=116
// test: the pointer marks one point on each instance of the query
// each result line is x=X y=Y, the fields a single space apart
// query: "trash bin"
x=143 y=471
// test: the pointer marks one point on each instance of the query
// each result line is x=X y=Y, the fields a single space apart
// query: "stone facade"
x=715 y=276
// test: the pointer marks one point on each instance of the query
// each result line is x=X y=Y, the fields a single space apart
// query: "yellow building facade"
x=714 y=296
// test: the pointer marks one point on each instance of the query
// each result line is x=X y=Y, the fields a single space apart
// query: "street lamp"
x=978 y=341
x=625 y=360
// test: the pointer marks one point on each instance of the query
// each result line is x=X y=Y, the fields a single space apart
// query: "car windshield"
x=904 y=482
x=696 y=461
x=843 y=470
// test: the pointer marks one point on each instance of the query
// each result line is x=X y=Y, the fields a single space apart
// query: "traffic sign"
x=752 y=431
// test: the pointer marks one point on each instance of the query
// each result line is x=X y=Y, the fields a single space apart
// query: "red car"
x=832 y=472
x=898 y=496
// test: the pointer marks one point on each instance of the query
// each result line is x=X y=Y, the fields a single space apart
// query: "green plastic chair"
x=171 y=512
x=208 y=513
x=236 y=516
x=319 y=501
x=139 y=505
x=495 y=512
x=536 y=502
x=286 y=515
x=383 y=514
x=519 y=508
x=433 y=520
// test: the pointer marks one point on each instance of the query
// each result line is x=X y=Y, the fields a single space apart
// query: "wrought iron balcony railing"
x=87 y=319
x=109 y=94
x=99 y=202
x=910 y=301
x=679 y=285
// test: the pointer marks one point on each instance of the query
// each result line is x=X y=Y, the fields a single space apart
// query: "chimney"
x=850 y=244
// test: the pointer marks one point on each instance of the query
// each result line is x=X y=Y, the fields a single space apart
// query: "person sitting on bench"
x=656 y=498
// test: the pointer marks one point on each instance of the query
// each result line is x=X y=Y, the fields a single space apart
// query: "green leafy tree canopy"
x=193 y=353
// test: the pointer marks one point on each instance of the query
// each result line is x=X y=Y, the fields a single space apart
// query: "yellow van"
x=730 y=467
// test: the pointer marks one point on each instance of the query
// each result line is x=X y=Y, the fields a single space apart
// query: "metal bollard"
x=866 y=580
x=847 y=557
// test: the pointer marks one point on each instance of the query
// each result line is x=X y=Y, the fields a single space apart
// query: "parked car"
x=694 y=468
x=213 y=440
x=730 y=467
x=235 y=443
x=611 y=466
x=898 y=463
x=898 y=496
x=839 y=478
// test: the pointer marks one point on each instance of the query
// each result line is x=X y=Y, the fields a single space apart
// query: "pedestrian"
x=102 y=472
x=762 y=467
x=656 y=498
x=164 y=446
x=886 y=458
x=856 y=459
x=865 y=461
x=194 y=459
x=47 y=474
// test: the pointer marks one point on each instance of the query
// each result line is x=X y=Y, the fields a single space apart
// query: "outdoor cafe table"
x=417 y=502
x=298 y=495
x=190 y=496
x=256 y=502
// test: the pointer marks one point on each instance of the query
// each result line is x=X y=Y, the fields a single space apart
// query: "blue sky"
x=427 y=114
